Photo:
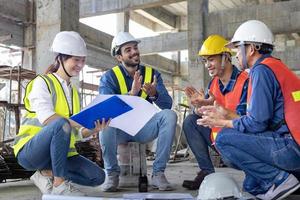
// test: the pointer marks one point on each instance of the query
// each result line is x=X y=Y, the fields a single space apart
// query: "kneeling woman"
x=46 y=139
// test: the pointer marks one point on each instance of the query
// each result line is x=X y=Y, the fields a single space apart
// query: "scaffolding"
x=17 y=74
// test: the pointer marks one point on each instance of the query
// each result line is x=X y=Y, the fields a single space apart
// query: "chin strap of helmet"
x=223 y=61
x=244 y=59
x=63 y=66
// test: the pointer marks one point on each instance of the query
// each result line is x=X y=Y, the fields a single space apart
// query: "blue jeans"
x=198 y=138
x=162 y=126
x=48 y=150
x=264 y=157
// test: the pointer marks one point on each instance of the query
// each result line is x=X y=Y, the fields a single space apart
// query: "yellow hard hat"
x=214 y=45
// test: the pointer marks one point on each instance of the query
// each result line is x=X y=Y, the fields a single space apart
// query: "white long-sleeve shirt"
x=41 y=101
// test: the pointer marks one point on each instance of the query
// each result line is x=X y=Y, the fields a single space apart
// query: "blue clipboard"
x=109 y=108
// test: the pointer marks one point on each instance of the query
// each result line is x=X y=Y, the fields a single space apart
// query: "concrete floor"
x=176 y=173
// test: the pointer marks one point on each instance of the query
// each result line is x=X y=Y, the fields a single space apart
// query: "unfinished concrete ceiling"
x=167 y=17
x=169 y=14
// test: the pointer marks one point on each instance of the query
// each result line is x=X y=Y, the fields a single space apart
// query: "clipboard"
x=109 y=108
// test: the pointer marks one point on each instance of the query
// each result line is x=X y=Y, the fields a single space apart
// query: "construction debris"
x=9 y=167
x=91 y=150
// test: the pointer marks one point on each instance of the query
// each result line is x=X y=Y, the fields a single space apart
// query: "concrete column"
x=177 y=57
x=29 y=34
x=196 y=35
x=123 y=21
x=52 y=17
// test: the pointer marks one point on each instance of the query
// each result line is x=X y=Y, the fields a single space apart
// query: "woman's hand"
x=99 y=126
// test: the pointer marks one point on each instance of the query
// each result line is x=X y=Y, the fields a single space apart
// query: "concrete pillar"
x=196 y=34
x=52 y=17
x=280 y=42
x=123 y=21
x=29 y=34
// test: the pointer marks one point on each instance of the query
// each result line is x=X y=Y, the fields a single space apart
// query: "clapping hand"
x=150 y=88
x=197 y=98
x=136 y=84
x=213 y=116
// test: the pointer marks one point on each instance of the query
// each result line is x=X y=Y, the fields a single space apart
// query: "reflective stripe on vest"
x=122 y=83
x=30 y=124
x=290 y=88
x=230 y=100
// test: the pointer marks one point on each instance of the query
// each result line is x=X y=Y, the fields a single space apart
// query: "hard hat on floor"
x=218 y=186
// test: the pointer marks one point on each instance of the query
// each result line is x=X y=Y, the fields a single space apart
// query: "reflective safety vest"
x=290 y=88
x=147 y=76
x=230 y=100
x=30 y=124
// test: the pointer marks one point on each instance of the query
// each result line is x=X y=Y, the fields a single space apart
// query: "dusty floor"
x=176 y=173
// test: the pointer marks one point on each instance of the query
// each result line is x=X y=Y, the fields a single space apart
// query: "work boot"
x=111 y=182
x=195 y=184
x=287 y=187
x=66 y=188
x=160 y=182
x=44 y=183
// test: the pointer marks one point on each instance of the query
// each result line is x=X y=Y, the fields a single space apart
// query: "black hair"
x=265 y=49
x=119 y=51
x=54 y=67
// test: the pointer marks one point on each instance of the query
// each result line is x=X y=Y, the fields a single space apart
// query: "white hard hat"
x=217 y=186
x=120 y=39
x=69 y=43
x=252 y=31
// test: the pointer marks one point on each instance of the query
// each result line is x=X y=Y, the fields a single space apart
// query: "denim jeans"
x=198 y=138
x=48 y=149
x=264 y=157
x=162 y=126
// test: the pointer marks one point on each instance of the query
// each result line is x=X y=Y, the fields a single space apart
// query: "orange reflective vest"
x=290 y=87
x=230 y=100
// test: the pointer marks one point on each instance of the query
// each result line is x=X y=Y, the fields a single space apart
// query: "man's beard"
x=131 y=64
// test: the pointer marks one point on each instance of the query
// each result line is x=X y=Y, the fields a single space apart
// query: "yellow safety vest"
x=30 y=124
x=122 y=83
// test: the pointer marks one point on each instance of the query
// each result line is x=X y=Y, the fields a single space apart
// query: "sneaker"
x=195 y=184
x=283 y=190
x=67 y=189
x=111 y=183
x=44 y=183
x=160 y=182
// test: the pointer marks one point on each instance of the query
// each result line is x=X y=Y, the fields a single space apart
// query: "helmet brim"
x=117 y=48
x=230 y=45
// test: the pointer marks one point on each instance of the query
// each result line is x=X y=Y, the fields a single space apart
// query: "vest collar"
x=62 y=81
x=261 y=59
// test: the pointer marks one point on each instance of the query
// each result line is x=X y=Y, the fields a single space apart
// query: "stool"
x=131 y=157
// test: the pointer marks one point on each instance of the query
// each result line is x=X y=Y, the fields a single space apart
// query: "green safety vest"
x=122 y=83
x=31 y=126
